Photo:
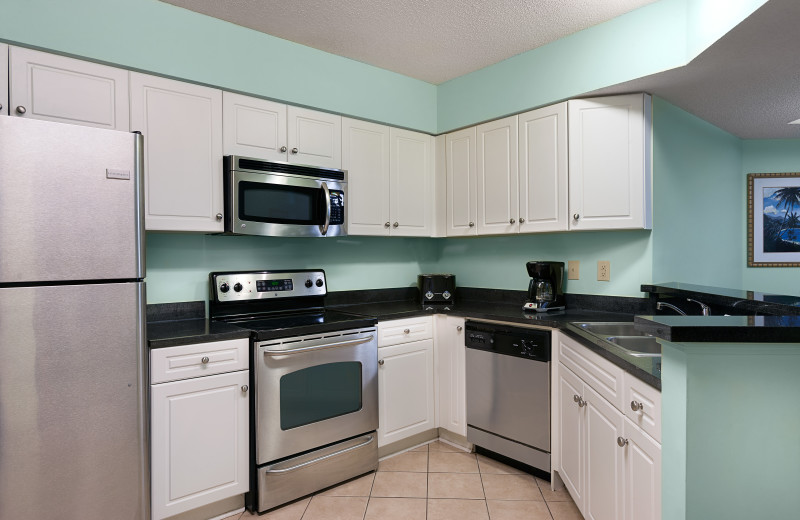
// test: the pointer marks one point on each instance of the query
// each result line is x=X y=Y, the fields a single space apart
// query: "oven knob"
x=237 y=287
x=308 y=283
x=224 y=287
x=319 y=282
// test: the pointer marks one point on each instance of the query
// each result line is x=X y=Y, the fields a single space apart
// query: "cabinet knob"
x=521 y=220
x=407 y=331
x=576 y=216
x=512 y=221
x=245 y=388
x=578 y=399
x=459 y=328
x=283 y=149
x=381 y=362
x=622 y=442
x=396 y=224
x=204 y=360
x=294 y=150
x=386 y=225
x=636 y=406
x=21 y=110
x=1 y=106
x=219 y=216
x=471 y=224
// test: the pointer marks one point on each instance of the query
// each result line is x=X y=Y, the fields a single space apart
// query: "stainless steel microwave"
x=283 y=200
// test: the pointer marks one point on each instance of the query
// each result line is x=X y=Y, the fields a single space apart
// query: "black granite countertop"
x=731 y=329
x=174 y=333
x=734 y=301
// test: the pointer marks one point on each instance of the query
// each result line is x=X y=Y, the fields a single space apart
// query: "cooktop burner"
x=277 y=304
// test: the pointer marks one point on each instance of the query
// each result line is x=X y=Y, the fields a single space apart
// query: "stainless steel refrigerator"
x=73 y=429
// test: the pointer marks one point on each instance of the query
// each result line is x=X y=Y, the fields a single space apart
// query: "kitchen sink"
x=639 y=346
x=606 y=329
x=625 y=336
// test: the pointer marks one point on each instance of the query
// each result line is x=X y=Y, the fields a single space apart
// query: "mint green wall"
x=156 y=37
x=769 y=156
x=697 y=210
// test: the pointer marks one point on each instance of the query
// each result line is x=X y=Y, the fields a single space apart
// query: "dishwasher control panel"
x=507 y=340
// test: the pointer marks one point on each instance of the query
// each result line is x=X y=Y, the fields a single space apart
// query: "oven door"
x=270 y=204
x=313 y=390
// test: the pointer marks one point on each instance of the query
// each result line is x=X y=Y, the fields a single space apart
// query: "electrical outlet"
x=573 y=270
x=603 y=270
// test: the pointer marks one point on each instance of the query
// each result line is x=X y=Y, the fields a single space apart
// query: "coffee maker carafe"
x=545 y=290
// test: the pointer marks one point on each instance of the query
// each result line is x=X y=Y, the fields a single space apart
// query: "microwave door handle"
x=327 y=208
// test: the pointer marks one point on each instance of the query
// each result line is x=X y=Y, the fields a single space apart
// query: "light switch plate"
x=573 y=270
x=603 y=270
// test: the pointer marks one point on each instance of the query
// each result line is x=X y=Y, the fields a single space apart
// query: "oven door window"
x=320 y=392
x=281 y=204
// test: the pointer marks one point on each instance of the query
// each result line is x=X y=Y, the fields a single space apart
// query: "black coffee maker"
x=546 y=289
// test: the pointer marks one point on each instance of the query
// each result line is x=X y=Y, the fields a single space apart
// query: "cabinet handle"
x=459 y=328
x=204 y=360
x=512 y=221
x=381 y=362
x=21 y=110
x=396 y=224
x=636 y=406
x=219 y=216
x=622 y=442
x=576 y=216
x=245 y=388
x=406 y=331
x=386 y=225
x=521 y=220
x=471 y=224
x=294 y=150
x=283 y=149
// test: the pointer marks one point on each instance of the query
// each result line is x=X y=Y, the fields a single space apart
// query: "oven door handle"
x=369 y=440
x=303 y=350
x=327 y=208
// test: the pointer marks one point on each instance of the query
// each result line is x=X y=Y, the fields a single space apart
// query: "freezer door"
x=69 y=203
x=73 y=439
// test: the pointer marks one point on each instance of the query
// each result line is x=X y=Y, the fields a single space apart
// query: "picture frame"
x=773 y=220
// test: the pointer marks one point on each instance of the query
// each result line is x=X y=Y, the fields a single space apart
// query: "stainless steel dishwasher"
x=508 y=391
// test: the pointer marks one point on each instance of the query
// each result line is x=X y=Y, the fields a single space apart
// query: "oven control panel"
x=261 y=285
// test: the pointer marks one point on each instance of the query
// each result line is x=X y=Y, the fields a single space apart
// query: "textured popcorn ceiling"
x=431 y=40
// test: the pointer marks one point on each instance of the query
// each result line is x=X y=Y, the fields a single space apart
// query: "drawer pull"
x=622 y=442
x=407 y=331
x=459 y=328
x=636 y=406
x=204 y=360
x=381 y=362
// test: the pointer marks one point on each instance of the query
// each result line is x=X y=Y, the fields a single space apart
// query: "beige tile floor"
x=436 y=481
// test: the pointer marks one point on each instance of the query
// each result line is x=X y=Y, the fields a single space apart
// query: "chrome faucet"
x=661 y=305
x=703 y=306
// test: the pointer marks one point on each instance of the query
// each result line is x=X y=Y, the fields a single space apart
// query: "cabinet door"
x=253 y=127
x=543 y=189
x=571 y=444
x=642 y=475
x=450 y=371
x=405 y=390
x=609 y=162
x=604 y=462
x=497 y=170
x=200 y=446
x=462 y=183
x=56 y=88
x=411 y=181
x=365 y=156
x=3 y=79
x=315 y=138
x=182 y=127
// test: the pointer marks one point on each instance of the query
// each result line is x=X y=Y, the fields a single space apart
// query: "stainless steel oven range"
x=315 y=375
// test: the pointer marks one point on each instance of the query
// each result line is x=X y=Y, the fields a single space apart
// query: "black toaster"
x=437 y=288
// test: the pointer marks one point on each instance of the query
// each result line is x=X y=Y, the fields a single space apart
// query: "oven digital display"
x=274 y=285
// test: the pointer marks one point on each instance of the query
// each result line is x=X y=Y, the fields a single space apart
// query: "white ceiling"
x=431 y=40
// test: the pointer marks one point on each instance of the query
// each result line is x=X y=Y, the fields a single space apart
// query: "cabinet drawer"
x=200 y=359
x=402 y=331
x=642 y=405
x=599 y=373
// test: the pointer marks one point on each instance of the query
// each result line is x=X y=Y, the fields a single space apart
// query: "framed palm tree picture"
x=773 y=220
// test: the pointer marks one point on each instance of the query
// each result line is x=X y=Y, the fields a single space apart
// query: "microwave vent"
x=290 y=169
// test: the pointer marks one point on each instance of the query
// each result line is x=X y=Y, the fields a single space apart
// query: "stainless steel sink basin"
x=612 y=328
x=640 y=346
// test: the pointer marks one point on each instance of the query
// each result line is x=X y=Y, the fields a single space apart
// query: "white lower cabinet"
x=199 y=435
x=406 y=397
x=450 y=365
x=610 y=466
x=3 y=79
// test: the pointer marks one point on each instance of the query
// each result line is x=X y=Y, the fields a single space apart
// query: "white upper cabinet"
x=411 y=181
x=462 y=196
x=314 y=138
x=543 y=195
x=610 y=162
x=182 y=127
x=3 y=79
x=55 y=88
x=365 y=156
x=497 y=173
x=253 y=127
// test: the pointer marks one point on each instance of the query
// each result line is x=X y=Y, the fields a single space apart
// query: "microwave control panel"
x=337 y=207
